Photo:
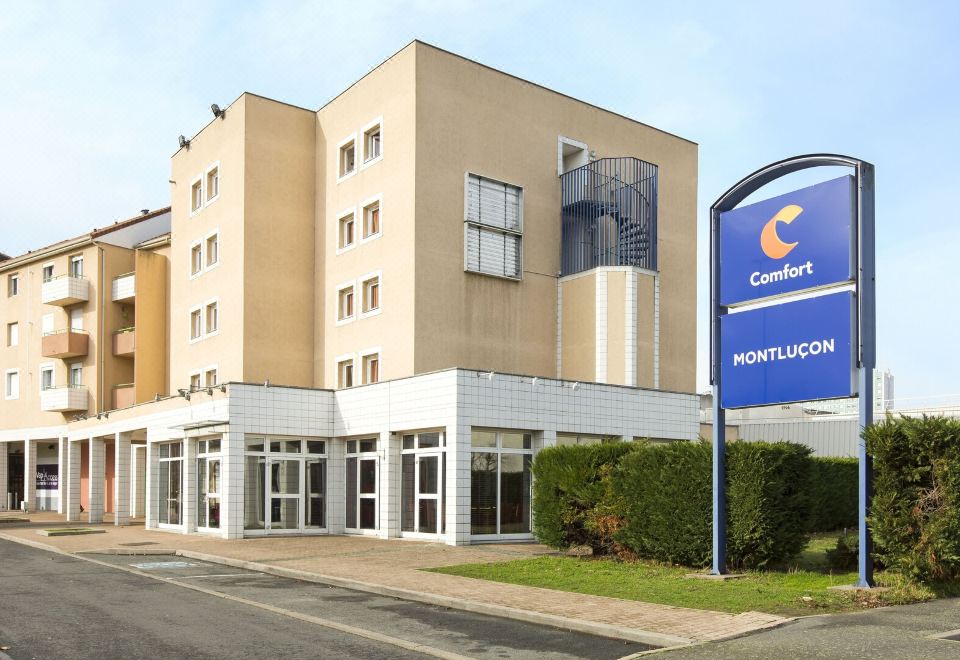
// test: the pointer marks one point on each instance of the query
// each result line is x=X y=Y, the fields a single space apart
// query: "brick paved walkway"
x=395 y=563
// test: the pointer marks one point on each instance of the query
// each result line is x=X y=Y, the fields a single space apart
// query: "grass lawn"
x=799 y=589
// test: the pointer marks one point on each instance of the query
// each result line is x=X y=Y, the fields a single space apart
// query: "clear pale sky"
x=94 y=95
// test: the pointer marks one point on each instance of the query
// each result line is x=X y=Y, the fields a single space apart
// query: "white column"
x=29 y=475
x=151 y=501
x=458 y=483
x=121 y=479
x=72 y=487
x=188 y=491
x=4 y=485
x=231 y=486
x=63 y=450
x=95 y=479
x=138 y=482
x=336 y=487
x=389 y=495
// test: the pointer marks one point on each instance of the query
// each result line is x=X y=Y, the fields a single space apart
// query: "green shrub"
x=569 y=487
x=665 y=495
x=915 y=510
x=844 y=556
x=834 y=494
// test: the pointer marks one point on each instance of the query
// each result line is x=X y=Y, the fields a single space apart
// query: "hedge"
x=915 y=510
x=834 y=493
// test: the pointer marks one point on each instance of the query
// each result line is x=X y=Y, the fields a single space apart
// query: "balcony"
x=124 y=288
x=65 y=290
x=124 y=396
x=64 y=399
x=124 y=342
x=64 y=344
x=609 y=215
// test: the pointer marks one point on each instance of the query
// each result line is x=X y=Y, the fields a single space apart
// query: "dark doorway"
x=15 y=478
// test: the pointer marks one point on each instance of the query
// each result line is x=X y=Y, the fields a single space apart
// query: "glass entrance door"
x=285 y=489
x=422 y=484
x=362 y=477
x=316 y=506
x=285 y=485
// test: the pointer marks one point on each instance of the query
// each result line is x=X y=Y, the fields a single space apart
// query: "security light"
x=217 y=112
x=184 y=142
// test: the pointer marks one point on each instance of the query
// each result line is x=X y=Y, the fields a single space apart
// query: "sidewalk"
x=391 y=567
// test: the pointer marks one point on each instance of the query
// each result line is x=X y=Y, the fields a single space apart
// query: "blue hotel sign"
x=794 y=242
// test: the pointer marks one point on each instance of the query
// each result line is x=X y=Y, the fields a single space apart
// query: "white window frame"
x=13 y=282
x=340 y=216
x=366 y=162
x=8 y=394
x=74 y=366
x=75 y=320
x=194 y=182
x=47 y=366
x=13 y=334
x=45 y=328
x=207 y=332
x=215 y=368
x=467 y=222
x=199 y=337
x=352 y=317
x=500 y=450
x=367 y=203
x=341 y=359
x=195 y=274
x=199 y=374
x=365 y=353
x=76 y=259
x=206 y=173
x=356 y=161
x=53 y=271
x=205 y=253
x=362 y=297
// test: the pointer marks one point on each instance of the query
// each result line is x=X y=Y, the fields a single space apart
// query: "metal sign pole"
x=719 y=414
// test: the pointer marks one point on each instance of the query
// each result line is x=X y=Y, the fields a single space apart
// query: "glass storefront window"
x=500 y=482
x=171 y=483
x=285 y=483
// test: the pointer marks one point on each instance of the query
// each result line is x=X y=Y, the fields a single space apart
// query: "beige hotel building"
x=362 y=319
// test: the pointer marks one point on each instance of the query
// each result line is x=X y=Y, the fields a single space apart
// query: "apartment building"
x=379 y=311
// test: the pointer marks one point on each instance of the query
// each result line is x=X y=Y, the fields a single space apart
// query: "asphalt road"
x=56 y=606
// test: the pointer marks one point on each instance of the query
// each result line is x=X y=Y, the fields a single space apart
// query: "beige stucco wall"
x=472 y=118
x=151 y=369
x=115 y=370
x=646 y=287
x=616 y=327
x=387 y=92
x=578 y=332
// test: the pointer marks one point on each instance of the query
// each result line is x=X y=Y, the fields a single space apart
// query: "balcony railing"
x=124 y=396
x=64 y=399
x=64 y=290
x=125 y=342
x=609 y=215
x=64 y=343
x=124 y=288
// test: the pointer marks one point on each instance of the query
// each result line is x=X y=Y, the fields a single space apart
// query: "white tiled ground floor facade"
x=442 y=456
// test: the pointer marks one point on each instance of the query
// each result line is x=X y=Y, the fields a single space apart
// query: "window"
x=208 y=484
x=196 y=259
x=76 y=266
x=46 y=324
x=371 y=368
x=345 y=373
x=76 y=374
x=46 y=377
x=346 y=231
x=348 y=158
x=213 y=183
x=422 y=483
x=212 y=318
x=13 y=334
x=196 y=195
x=371 y=220
x=213 y=249
x=48 y=272
x=362 y=475
x=196 y=324
x=210 y=377
x=345 y=303
x=372 y=144
x=500 y=482
x=371 y=294
x=564 y=439
x=170 y=482
x=195 y=381
x=13 y=285
x=76 y=319
x=11 y=384
x=493 y=227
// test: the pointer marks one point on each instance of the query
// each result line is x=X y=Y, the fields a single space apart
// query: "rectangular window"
x=345 y=303
x=348 y=159
x=371 y=368
x=76 y=319
x=195 y=382
x=213 y=183
x=13 y=285
x=213 y=249
x=345 y=373
x=46 y=324
x=48 y=272
x=13 y=334
x=210 y=378
x=196 y=196
x=46 y=377
x=371 y=220
x=500 y=482
x=372 y=145
x=196 y=324
x=76 y=374
x=76 y=266
x=346 y=231
x=493 y=227
x=196 y=259
x=213 y=317
x=12 y=384
x=371 y=294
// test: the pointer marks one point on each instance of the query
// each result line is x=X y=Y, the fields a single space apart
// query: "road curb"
x=502 y=611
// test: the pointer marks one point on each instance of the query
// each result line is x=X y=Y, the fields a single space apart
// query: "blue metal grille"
x=609 y=215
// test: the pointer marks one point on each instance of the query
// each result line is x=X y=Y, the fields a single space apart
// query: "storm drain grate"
x=138 y=544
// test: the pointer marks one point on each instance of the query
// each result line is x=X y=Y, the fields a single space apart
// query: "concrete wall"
x=827 y=437
x=151 y=368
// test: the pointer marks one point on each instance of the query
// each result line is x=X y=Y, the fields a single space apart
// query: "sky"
x=93 y=96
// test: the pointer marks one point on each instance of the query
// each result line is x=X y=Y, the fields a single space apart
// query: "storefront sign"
x=48 y=477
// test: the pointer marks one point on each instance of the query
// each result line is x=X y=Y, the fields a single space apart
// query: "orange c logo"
x=771 y=244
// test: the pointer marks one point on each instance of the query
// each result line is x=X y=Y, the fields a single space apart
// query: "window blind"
x=492 y=231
